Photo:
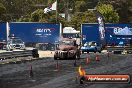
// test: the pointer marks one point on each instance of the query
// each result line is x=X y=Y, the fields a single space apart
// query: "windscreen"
x=71 y=35
x=17 y=41
x=66 y=42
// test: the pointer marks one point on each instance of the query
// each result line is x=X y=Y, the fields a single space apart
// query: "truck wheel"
x=55 y=58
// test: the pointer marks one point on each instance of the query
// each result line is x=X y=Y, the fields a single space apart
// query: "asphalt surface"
x=46 y=75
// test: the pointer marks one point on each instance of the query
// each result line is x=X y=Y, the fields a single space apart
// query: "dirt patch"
x=46 y=54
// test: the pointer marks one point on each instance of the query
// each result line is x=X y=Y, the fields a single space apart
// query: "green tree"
x=2 y=9
x=2 y=12
x=19 y=9
x=39 y=15
x=50 y=17
x=80 y=6
x=124 y=8
x=110 y=15
x=24 y=19
x=82 y=17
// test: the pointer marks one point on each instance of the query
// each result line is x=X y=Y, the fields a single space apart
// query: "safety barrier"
x=15 y=54
x=119 y=49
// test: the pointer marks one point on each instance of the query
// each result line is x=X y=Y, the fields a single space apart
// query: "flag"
x=53 y=7
x=46 y=10
x=50 y=8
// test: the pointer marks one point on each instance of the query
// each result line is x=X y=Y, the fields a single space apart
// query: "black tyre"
x=55 y=58
x=95 y=50
x=82 y=80
x=75 y=56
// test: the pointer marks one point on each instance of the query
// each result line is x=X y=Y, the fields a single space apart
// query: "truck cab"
x=67 y=50
x=15 y=43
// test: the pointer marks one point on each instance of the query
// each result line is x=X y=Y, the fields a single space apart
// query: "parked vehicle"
x=15 y=43
x=91 y=47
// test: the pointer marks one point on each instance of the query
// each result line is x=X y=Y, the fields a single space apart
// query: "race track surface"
x=46 y=75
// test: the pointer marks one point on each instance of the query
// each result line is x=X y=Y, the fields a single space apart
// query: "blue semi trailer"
x=116 y=33
x=36 y=32
x=2 y=31
x=33 y=33
x=3 y=34
x=42 y=35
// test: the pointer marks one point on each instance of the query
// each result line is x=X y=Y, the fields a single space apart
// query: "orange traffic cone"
x=30 y=71
x=87 y=60
x=97 y=58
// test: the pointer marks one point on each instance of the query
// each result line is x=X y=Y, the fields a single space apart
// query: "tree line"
x=113 y=11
